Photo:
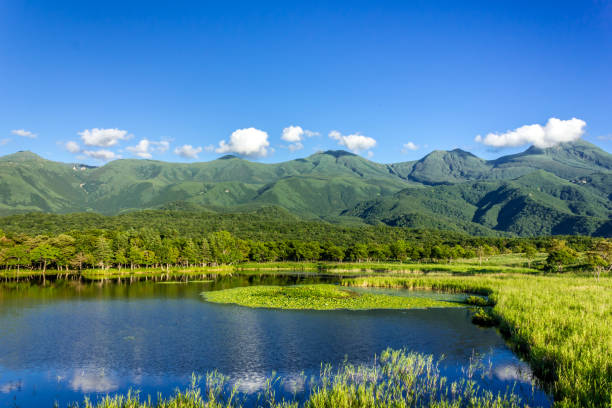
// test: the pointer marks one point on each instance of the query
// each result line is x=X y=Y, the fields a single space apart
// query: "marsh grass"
x=397 y=379
x=484 y=317
x=317 y=297
x=561 y=324
x=478 y=301
x=495 y=264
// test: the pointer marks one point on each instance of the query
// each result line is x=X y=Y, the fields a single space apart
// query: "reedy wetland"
x=562 y=324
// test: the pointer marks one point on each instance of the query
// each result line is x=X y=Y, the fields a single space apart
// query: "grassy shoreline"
x=561 y=324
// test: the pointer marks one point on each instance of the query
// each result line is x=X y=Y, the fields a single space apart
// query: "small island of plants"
x=317 y=297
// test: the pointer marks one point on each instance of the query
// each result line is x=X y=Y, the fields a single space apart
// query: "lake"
x=71 y=339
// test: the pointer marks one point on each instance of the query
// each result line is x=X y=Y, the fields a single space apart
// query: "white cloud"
x=604 y=137
x=247 y=142
x=4 y=141
x=295 y=135
x=103 y=137
x=162 y=146
x=24 y=133
x=409 y=146
x=142 y=149
x=188 y=151
x=145 y=148
x=554 y=132
x=354 y=142
x=310 y=133
x=104 y=155
x=295 y=146
x=292 y=134
x=72 y=147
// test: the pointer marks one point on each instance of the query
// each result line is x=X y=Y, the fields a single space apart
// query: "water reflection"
x=11 y=386
x=97 y=381
x=73 y=339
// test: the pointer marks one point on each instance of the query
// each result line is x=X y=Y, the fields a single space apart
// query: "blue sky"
x=372 y=77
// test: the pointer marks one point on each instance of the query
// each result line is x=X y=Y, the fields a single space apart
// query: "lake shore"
x=561 y=323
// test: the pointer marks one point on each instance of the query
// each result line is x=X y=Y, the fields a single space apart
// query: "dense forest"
x=118 y=244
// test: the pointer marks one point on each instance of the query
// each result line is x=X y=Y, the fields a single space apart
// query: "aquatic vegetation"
x=562 y=324
x=484 y=317
x=478 y=301
x=396 y=379
x=317 y=297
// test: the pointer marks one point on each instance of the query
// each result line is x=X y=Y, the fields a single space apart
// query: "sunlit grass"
x=562 y=324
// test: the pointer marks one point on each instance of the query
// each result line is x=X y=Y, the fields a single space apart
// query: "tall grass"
x=562 y=324
x=398 y=379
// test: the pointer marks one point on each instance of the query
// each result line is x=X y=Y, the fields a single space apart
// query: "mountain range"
x=565 y=189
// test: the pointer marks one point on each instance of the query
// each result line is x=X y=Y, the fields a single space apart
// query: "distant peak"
x=462 y=152
x=338 y=153
x=228 y=157
x=22 y=155
x=579 y=144
x=534 y=150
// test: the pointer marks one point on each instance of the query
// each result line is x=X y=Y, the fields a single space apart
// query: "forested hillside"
x=566 y=189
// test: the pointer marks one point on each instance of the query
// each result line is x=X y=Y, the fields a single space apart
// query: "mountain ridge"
x=568 y=186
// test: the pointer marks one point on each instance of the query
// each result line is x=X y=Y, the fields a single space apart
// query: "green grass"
x=317 y=297
x=561 y=324
x=398 y=379
x=515 y=263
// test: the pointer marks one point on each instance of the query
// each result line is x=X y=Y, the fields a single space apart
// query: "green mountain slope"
x=319 y=185
x=539 y=203
x=31 y=183
x=441 y=167
x=563 y=189
x=566 y=160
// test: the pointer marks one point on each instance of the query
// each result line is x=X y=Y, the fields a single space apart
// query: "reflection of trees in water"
x=32 y=293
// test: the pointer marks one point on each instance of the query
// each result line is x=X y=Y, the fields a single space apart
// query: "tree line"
x=146 y=247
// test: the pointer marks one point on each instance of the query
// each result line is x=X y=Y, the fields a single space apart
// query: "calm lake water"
x=69 y=340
